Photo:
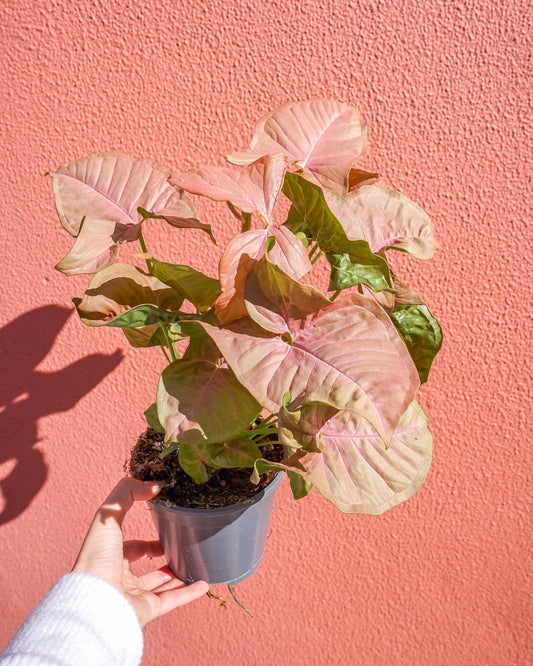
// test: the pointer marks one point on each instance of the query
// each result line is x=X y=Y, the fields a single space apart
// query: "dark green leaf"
x=152 y=418
x=145 y=315
x=350 y=268
x=421 y=333
x=201 y=290
x=352 y=261
x=199 y=461
x=191 y=462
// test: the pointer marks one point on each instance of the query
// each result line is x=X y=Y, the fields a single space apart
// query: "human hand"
x=105 y=555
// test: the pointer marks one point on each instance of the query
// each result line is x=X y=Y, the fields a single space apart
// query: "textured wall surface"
x=446 y=90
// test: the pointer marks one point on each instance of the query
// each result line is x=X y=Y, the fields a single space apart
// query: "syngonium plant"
x=333 y=376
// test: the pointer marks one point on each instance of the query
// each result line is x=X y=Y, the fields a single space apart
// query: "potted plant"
x=265 y=373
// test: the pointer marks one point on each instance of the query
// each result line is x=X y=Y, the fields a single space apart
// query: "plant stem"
x=143 y=248
x=166 y=355
x=268 y=419
x=316 y=258
x=170 y=342
x=313 y=250
x=246 y=222
x=335 y=295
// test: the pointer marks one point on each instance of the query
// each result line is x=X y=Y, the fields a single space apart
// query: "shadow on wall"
x=27 y=394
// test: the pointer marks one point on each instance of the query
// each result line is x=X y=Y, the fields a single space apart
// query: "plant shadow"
x=27 y=395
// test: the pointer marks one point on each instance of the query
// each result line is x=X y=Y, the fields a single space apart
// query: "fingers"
x=153 y=581
x=122 y=497
x=171 y=599
x=134 y=550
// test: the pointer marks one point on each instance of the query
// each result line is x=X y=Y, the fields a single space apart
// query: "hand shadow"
x=27 y=394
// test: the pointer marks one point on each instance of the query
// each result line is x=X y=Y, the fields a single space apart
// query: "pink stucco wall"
x=445 y=87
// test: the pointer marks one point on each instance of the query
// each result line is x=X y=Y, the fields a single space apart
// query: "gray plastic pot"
x=221 y=545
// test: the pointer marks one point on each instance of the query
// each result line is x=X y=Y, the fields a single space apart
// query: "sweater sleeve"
x=82 y=621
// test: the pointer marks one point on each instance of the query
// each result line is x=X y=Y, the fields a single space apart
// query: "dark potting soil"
x=226 y=486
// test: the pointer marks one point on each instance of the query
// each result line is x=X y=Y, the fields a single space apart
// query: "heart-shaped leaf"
x=152 y=419
x=353 y=469
x=352 y=261
x=400 y=294
x=322 y=136
x=253 y=188
x=347 y=354
x=122 y=295
x=201 y=290
x=94 y=249
x=421 y=333
x=199 y=402
x=240 y=256
x=200 y=461
x=403 y=294
x=151 y=335
x=191 y=462
x=391 y=220
x=112 y=186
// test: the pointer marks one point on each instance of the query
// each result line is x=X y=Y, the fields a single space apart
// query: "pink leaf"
x=94 y=249
x=254 y=188
x=240 y=256
x=390 y=219
x=112 y=186
x=323 y=137
x=353 y=469
x=119 y=288
x=348 y=355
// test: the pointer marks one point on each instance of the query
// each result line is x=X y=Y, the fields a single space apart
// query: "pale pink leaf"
x=386 y=297
x=252 y=188
x=345 y=459
x=119 y=288
x=348 y=355
x=322 y=136
x=240 y=256
x=112 y=186
x=400 y=294
x=93 y=249
x=390 y=219
x=348 y=218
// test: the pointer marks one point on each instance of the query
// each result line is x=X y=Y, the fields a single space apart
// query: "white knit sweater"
x=82 y=621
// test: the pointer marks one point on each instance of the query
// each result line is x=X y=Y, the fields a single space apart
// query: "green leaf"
x=421 y=333
x=152 y=419
x=352 y=261
x=199 y=402
x=261 y=466
x=191 y=462
x=200 y=461
x=235 y=453
x=300 y=487
x=351 y=268
x=146 y=336
x=201 y=290
x=145 y=315
x=201 y=348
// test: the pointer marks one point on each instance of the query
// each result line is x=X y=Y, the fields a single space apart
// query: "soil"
x=226 y=486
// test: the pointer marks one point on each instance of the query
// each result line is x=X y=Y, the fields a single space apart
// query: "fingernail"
x=156 y=488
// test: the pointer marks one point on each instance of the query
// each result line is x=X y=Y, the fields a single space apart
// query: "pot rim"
x=162 y=505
